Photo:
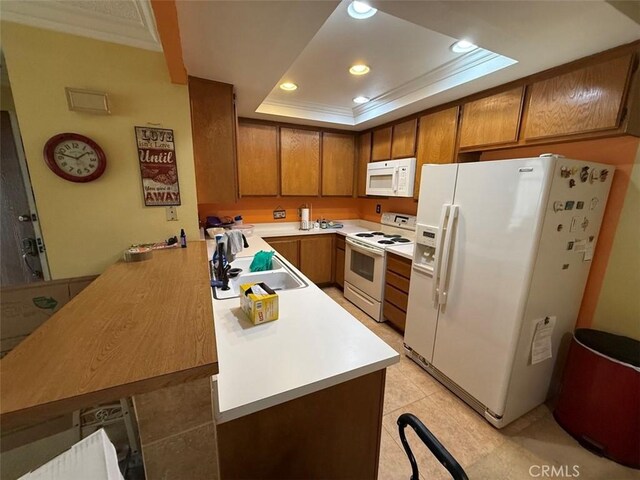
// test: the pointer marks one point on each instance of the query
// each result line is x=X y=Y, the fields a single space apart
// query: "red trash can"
x=599 y=402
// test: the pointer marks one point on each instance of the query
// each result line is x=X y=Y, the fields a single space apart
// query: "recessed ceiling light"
x=463 y=46
x=359 y=69
x=359 y=100
x=288 y=86
x=360 y=10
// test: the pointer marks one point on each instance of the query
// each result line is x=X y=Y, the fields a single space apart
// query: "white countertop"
x=405 y=251
x=314 y=344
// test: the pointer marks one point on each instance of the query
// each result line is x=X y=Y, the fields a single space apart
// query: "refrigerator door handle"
x=439 y=243
x=443 y=280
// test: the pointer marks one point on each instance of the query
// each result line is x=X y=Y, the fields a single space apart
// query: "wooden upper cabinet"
x=585 y=100
x=213 y=121
x=493 y=120
x=381 y=147
x=338 y=159
x=364 y=157
x=436 y=141
x=403 y=143
x=257 y=159
x=299 y=162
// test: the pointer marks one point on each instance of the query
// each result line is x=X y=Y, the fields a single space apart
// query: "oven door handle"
x=362 y=249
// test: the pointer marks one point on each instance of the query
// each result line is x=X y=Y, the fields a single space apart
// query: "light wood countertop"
x=138 y=327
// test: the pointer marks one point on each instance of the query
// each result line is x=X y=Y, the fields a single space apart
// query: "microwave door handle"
x=446 y=256
x=361 y=248
x=395 y=179
x=439 y=244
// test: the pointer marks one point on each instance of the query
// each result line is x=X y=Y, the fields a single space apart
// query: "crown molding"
x=108 y=21
x=464 y=69
x=308 y=111
x=468 y=67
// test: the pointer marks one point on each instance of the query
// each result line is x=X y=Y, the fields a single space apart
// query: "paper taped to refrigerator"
x=541 y=347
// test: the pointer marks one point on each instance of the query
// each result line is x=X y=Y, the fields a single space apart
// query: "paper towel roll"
x=304 y=218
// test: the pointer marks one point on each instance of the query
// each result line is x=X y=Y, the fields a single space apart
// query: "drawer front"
x=395 y=296
x=399 y=265
x=397 y=281
x=394 y=315
x=339 y=242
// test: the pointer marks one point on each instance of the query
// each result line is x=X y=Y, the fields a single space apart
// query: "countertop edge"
x=292 y=394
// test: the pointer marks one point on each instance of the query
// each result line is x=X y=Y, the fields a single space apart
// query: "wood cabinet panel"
x=399 y=282
x=436 y=141
x=338 y=158
x=394 y=315
x=340 y=267
x=381 y=146
x=214 y=140
x=257 y=159
x=396 y=297
x=288 y=247
x=399 y=265
x=491 y=120
x=364 y=157
x=316 y=258
x=585 y=100
x=403 y=143
x=300 y=162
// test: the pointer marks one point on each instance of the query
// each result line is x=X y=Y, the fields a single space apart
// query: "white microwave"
x=392 y=178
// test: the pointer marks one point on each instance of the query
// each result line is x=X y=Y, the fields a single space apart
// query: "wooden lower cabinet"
x=316 y=258
x=339 y=261
x=396 y=290
x=312 y=254
x=331 y=433
x=288 y=247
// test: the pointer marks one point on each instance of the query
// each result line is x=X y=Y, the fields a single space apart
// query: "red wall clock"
x=75 y=157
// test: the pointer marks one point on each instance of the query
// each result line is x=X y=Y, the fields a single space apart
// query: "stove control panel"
x=401 y=220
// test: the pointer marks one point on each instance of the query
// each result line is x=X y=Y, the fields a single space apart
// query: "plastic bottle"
x=183 y=238
x=215 y=252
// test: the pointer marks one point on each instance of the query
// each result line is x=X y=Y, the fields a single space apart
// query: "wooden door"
x=316 y=258
x=213 y=129
x=299 y=162
x=18 y=237
x=258 y=159
x=381 y=148
x=493 y=120
x=436 y=141
x=364 y=157
x=403 y=144
x=338 y=157
x=585 y=100
x=287 y=247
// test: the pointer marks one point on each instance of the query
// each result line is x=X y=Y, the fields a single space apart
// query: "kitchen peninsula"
x=303 y=394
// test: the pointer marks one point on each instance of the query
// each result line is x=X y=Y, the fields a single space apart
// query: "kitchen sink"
x=280 y=277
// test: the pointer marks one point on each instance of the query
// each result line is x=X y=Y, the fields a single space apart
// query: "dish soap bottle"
x=183 y=238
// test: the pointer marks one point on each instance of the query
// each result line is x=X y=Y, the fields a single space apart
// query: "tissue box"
x=259 y=308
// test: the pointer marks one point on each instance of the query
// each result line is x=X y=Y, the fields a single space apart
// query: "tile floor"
x=531 y=442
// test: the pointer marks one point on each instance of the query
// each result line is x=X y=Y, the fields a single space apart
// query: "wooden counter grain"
x=138 y=327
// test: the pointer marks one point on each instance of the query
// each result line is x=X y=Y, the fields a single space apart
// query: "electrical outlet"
x=378 y=208
x=172 y=214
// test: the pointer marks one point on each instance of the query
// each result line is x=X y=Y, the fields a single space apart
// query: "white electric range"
x=365 y=262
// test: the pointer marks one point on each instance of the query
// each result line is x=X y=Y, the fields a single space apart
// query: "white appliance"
x=365 y=261
x=503 y=250
x=393 y=178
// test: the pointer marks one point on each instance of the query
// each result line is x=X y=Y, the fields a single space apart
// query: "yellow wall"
x=87 y=226
x=618 y=309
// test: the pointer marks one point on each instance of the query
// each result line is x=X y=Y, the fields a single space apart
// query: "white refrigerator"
x=502 y=255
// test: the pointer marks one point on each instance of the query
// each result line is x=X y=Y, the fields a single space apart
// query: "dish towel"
x=233 y=241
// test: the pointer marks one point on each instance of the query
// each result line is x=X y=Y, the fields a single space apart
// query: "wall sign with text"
x=158 y=168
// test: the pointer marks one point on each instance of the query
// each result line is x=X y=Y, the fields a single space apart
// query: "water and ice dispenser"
x=425 y=245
